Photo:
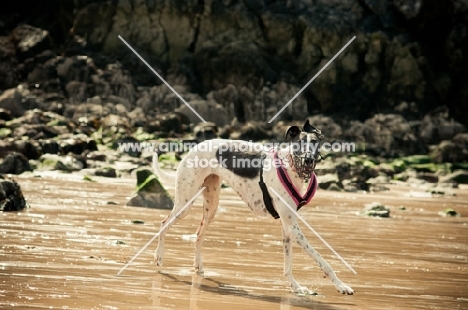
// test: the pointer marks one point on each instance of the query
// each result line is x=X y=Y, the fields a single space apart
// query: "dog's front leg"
x=287 y=249
x=326 y=268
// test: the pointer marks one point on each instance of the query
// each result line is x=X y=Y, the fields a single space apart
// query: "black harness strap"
x=266 y=195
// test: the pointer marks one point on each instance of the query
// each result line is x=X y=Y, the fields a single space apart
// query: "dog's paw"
x=158 y=261
x=198 y=269
x=302 y=290
x=158 y=258
x=344 y=289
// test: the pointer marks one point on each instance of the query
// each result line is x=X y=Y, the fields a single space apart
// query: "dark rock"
x=31 y=40
x=39 y=69
x=173 y=122
x=325 y=181
x=454 y=151
x=96 y=156
x=409 y=9
x=460 y=177
x=150 y=193
x=36 y=132
x=381 y=179
x=6 y=147
x=376 y=209
x=30 y=149
x=56 y=162
x=77 y=68
x=327 y=125
x=208 y=110
x=52 y=102
x=75 y=45
x=77 y=91
x=77 y=145
x=334 y=187
x=356 y=174
x=8 y=64
x=449 y=212
x=392 y=133
x=80 y=161
x=11 y=196
x=428 y=177
x=251 y=131
x=12 y=100
x=132 y=144
x=115 y=81
x=86 y=110
x=383 y=9
x=41 y=118
x=5 y=114
x=448 y=151
x=50 y=147
x=437 y=126
x=14 y=163
x=108 y=172
x=205 y=131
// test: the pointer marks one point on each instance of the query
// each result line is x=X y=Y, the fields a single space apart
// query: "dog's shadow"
x=224 y=289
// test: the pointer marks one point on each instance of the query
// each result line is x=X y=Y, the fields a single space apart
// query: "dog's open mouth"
x=304 y=165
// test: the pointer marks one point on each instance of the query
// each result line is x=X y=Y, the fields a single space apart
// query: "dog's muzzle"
x=305 y=160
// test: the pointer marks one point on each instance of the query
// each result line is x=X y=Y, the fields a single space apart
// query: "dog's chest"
x=249 y=191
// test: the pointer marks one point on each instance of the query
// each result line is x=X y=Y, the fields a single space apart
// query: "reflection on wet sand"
x=65 y=252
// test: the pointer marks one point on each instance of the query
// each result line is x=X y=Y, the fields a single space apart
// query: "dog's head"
x=304 y=147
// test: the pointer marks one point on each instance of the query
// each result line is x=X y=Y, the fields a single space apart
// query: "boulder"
x=31 y=40
x=150 y=193
x=251 y=131
x=205 y=131
x=11 y=196
x=12 y=100
x=30 y=149
x=15 y=163
x=376 y=209
x=208 y=110
x=77 y=145
x=392 y=133
x=455 y=151
x=63 y=163
x=5 y=115
x=437 y=126
x=108 y=172
x=330 y=129
x=460 y=177
x=8 y=63
x=325 y=181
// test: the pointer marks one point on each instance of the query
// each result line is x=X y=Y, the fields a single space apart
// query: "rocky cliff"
x=403 y=81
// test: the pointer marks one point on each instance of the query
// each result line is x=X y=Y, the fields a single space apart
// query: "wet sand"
x=65 y=251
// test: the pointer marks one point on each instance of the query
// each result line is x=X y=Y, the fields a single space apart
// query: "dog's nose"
x=308 y=160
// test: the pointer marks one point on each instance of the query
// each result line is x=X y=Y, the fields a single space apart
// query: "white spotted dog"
x=266 y=168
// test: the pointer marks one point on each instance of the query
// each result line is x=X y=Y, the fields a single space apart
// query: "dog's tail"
x=164 y=176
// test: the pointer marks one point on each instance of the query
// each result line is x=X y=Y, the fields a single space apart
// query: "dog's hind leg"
x=182 y=196
x=211 y=193
x=326 y=268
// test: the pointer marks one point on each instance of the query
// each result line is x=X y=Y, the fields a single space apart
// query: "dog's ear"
x=312 y=129
x=309 y=128
x=292 y=133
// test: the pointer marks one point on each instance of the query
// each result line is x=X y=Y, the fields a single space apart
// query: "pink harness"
x=299 y=199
